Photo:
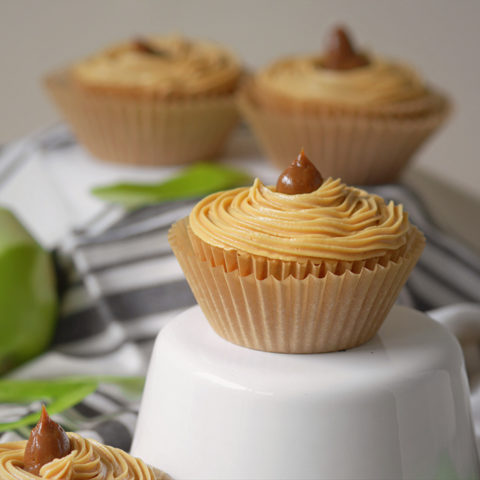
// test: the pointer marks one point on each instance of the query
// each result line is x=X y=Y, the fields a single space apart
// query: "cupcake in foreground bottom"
x=52 y=454
x=308 y=266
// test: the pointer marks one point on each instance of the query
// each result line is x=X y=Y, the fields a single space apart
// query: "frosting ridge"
x=377 y=83
x=180 y=67
x=88 y=460
x=335 y=222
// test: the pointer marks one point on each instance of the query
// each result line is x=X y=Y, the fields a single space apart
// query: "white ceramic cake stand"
x=394 y=408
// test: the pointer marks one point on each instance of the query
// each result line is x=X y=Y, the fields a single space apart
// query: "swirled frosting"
x=303 y=78
x=88 y=460
x=180 y=67
x=334 y=222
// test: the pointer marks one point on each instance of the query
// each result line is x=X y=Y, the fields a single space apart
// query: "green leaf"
x=59 y=394
x=195 y=181
x=133 y=385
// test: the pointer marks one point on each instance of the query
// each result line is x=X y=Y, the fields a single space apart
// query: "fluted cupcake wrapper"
x=292 y=315
x=140 y=130
x=262 y=267
x=359 y=149
x=159 y=474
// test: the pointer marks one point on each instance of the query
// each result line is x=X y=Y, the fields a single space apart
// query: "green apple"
x=28 y=298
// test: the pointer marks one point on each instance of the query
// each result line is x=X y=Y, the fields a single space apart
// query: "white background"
x=440 y=37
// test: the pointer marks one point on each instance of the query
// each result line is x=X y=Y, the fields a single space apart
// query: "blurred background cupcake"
x=360 y=116
x=157 y=100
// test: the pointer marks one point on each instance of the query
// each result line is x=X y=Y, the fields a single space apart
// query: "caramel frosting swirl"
x=335 y=222
x=88 y=460
x=375 y=84
x=168 y=66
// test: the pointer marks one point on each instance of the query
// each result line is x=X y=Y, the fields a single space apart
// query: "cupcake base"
x=294 y=315
x=141 y=130
x=360 y=149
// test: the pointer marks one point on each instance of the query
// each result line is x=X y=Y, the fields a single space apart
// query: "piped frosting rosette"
x=162 y=66
x=159 y=100
x=303 y=273
x=332 y=229
x=88 y=460
x=381 y=87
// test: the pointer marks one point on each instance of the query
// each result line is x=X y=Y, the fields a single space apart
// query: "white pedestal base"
x=394 y=408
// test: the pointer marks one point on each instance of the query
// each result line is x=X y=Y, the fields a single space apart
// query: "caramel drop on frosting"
x=143 y=46
x=300 y=177
x=340 y=53
x=47 y=441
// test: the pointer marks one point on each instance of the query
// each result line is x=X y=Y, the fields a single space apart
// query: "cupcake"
x=154 y=101
x=308 y=266
x=361 y=116
x=52 y=454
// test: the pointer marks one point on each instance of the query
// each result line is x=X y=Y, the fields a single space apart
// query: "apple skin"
x=28 y=297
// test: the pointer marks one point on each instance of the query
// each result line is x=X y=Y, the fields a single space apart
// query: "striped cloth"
x=125 y=276
x=120 y=284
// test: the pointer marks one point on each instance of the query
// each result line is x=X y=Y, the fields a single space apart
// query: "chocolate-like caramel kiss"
x=300 y=177
x=143 y=46
x=47 y=441
x=340 y=53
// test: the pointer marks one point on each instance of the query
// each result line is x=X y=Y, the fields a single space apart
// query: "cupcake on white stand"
x=395 y=405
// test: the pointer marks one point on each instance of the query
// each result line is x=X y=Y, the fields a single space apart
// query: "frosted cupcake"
x=157 y=100
x=308 y=266
x=361 y=116
x=52 y=454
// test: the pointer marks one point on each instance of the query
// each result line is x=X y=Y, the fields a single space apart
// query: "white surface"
x=125 y=361
x=75 y=173
x=34 y=199
x=394 y=408
x=439 y=37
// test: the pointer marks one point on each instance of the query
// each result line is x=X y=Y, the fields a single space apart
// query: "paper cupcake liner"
x=159 y=474
x=141 y=130
x=292 y=315
x=262 y=267
x=358 y=149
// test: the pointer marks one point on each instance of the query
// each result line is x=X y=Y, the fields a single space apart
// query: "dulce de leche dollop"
x=47 y=441
x=340 y=53
x=300 y=177
x=144 y=46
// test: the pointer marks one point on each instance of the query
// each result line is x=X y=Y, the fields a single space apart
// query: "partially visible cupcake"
x=308 y=266
x=52 y=454
x=360 y=116
x=159 y=100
